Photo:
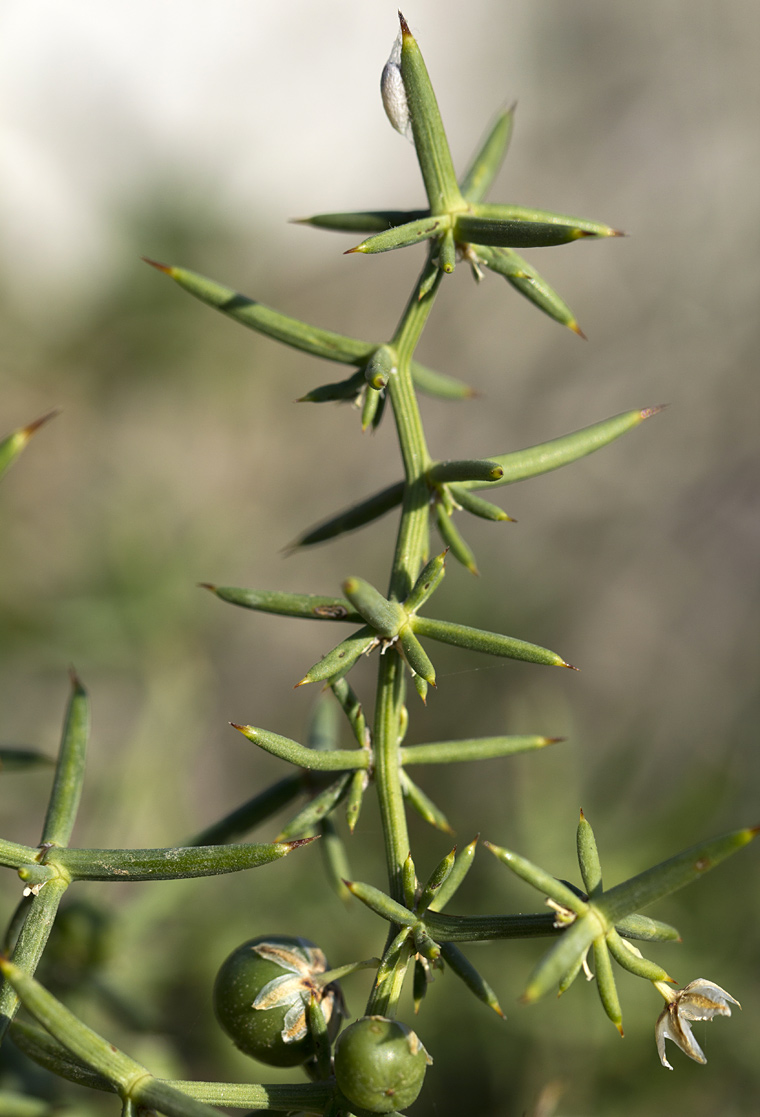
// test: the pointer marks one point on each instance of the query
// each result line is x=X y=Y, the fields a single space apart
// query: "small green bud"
x=380 y=367
x=385 y=617
x=416 y=656
x=427 y=583
x=436 y=880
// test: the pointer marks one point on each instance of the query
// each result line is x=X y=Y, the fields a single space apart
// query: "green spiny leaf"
x=580 y=226
x=476 y=748
x=424 y=806
x=671 y=875
x=475 y=470
x=478 y=640
x=525 y=279
x=436 y=880
x=381 y=904
x=460 y=869
x=630 y=959
x=453 y=540
x=323 y=760
x=427 y=128
x=489 y=157
x=540 y=879
x=466 y=972
x=588 y=858
x=476 y=506
x=127 y=865
x=69 y=773
x=535 y=460
x=605 y=983
x=251 y=814
x=403 y=236
x=428 y=582
x=416 y=657
x=335 y=857
x=354 y=517
x=12 y=445
x=264 y=320
x=316 y=810
x=384 y=616
x=342 y=658
x=308 y=606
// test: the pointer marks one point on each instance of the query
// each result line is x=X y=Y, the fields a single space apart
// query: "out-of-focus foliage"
x=181 y=457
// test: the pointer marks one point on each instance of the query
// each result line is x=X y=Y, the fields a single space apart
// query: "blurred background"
x=192 y=132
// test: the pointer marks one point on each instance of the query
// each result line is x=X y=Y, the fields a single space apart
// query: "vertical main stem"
x=411 y=542
x=386 y=735
x=409 y=555
x=411 y=547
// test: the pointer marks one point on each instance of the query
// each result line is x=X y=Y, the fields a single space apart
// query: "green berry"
x=262 y=993
x=380 y=1064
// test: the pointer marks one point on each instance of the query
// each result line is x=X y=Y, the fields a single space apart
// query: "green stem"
x=311 y=1096
x=31 y=943
x=390 y=689
x=410 y=553
x=69 y=772
x=411 y=544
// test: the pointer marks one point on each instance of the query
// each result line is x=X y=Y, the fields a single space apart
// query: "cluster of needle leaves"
x=585 y=919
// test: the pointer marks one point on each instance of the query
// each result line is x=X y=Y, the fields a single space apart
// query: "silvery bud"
x=393 y=93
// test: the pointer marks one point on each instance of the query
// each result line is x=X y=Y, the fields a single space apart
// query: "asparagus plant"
x=276 y=995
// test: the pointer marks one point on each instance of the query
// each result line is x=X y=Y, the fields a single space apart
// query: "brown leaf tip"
x=295 y=842
x=30 y=428
x=207 y=586
x=76 y=682
x=404 y=26
x=648 y=412
x=166 y=268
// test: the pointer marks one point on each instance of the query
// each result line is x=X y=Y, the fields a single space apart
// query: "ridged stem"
x=410 y=553
x=31 y=943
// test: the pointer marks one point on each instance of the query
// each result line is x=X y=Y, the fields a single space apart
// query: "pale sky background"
x=259 y=99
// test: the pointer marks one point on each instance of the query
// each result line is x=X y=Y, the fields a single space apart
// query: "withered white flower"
x=295 y=988
x=699 y=1000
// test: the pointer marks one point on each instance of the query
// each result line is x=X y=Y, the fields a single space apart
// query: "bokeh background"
x=191 y=132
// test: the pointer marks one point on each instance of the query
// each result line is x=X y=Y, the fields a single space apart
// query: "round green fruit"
x=261 y=998
x=380 y=1064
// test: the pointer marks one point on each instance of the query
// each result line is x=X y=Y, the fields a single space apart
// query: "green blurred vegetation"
x=180 y=457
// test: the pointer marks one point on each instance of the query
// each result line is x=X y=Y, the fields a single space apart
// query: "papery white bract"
x=699 y=1000
x=393 y=92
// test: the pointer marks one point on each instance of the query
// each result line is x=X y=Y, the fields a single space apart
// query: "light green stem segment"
x=387 y=771
x=31 y=943
x=309 y=1096
x=410 y=555
x=69 y=772
x=128 y=1078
